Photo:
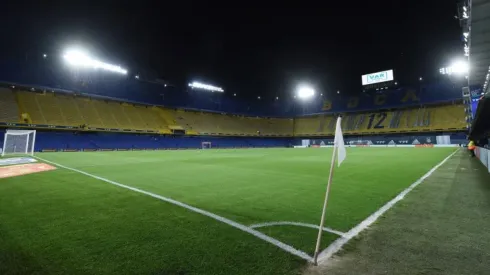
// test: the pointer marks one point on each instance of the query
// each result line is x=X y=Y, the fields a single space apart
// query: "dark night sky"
x=248 y=48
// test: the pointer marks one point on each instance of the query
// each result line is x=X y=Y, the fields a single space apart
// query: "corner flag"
x=339 y=142
x=339 y=150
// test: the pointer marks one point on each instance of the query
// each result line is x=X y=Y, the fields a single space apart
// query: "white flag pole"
x=322 y=221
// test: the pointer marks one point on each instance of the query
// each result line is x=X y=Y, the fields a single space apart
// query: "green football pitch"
x=193 y=211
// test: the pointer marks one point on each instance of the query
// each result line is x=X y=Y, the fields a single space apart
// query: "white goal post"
x=19 y=142
x=206 y=145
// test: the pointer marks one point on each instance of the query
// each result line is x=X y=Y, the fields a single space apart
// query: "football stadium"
x=104 y=170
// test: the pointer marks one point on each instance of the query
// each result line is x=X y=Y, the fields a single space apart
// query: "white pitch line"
x=326 y=229
x=242 y=227
x=337 y=244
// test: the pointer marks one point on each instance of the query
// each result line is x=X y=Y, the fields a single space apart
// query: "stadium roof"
x=479 y=42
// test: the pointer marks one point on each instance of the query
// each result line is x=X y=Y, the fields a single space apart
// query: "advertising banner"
x=484 y=156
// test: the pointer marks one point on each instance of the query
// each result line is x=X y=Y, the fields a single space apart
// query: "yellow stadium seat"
x=89 y=112
x=9 y=111
x=436 y=118
x=72 y=110
x=28 y=104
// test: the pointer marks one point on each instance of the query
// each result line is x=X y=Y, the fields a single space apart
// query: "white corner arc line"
x=337 y=244
x=242 y=227
x=314 y=226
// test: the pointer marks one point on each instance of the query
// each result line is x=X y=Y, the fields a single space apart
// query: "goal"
x=205 y=145
x=19 y=142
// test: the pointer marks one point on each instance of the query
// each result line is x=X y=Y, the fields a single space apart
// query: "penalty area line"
x=240 y=226
x=340 y=242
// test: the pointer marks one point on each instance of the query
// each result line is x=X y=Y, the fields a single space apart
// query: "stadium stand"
x=426 y=119
x=30 y=108
x=71 y=110
x=450 y=117
x=224 y=124
x=9 y=112
x=49 y=107
x=26 y=107
x=46 y=74
x=88 y=112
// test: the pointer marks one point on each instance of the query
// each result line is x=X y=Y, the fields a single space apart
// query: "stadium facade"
x=84 y=109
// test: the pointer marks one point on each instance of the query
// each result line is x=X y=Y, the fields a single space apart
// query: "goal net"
x=206 y=145
x=19 y=142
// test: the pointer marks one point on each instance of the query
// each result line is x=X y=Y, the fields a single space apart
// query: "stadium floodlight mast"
x=79 y=58
x=305 y=92
x=207 y=87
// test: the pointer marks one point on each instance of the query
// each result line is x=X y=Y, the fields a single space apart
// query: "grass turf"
x=440 y=228
x=65 y=222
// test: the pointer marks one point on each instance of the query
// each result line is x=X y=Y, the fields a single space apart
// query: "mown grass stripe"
x=242 y=227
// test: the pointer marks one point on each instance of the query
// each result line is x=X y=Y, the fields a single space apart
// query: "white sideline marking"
x=337 y=244
x=242 y=227
x=326 y=229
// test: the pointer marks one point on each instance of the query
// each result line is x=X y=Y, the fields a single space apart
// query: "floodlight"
x=234 y=94
x=460 y=67
x=258 y=97
x=457 y=67
x=305 y=92
x=45 y=55
x=137 y=76
x=420 y=78
x=81 y=59
x=197 y=85
x=338 y=92
x=277 y=97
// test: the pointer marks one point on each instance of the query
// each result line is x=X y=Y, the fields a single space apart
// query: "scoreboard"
x=377 y=79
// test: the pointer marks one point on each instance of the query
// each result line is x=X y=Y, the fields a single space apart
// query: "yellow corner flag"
x=339 y=142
